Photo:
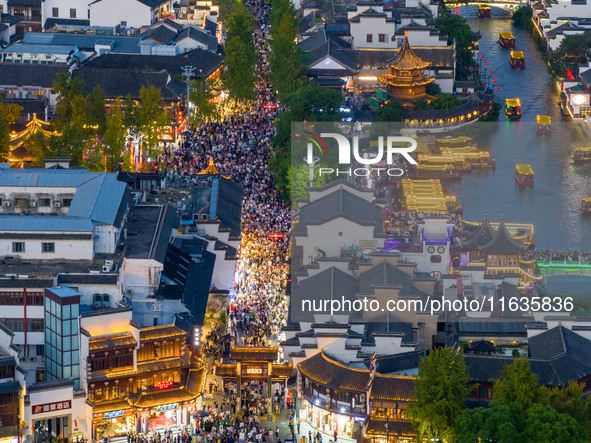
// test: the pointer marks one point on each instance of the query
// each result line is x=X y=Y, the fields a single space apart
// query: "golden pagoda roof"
x=212 y=170
x=407 y=59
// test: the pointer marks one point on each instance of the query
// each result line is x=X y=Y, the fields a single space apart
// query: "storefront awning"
x=111 y=406
x=399 y=428
x=161 y=398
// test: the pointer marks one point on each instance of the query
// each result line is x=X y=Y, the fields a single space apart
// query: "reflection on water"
x=553 y=204
x=569 y=284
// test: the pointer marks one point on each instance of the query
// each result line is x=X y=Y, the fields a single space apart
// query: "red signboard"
x=164 y=384
x=52 y=407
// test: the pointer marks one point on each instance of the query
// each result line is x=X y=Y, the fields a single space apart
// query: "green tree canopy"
x=241 y=24
x=517 y=384
x=114 y=136
x=441 y=389
x=97 y=113
x=151 y=115
x=457 y=29
x=239 y=76
x=287 y=69
x=391 y=112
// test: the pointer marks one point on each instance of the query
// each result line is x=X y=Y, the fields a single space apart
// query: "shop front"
x=168 y=416
x=55 y=413
x=327 y=421
x=114 y=423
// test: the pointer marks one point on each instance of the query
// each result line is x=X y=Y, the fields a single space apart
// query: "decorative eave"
x=212 y=170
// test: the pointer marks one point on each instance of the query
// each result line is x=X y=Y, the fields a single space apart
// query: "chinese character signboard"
x=52 y=407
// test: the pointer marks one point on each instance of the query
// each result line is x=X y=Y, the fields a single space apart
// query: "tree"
x=4 y=137
x=444 y=101
x=517 y=384
x=97 y=114
x=441 y=389
x=392 y=112
x=421 y=105
x=10 y=111
x=227 y=8
x=544 y=423
x=570 y=401
x=151 y=115
x=457 y=29
x=573 y=49
x=201 y=98
x=239 y=76
x=241 y=24
x=287 y=69
x=499 y=422
x=314 y=103
x=129 y=116
x=66 y=89
x=114 y=136
x=433 y=89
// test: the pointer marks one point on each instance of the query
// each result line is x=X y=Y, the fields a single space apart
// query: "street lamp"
x=136 y=138
x=188 y=72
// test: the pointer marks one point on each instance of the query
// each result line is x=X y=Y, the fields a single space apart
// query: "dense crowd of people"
x=240 y=145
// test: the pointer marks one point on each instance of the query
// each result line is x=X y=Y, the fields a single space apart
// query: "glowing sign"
x=580 y=99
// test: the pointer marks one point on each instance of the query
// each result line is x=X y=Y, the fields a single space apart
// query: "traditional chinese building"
x=253 y=364
x=366 y=403
x=137 y=379
x=496 y=253
x=405 y=80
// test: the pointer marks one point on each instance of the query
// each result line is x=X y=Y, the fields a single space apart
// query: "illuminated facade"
x=405 y=80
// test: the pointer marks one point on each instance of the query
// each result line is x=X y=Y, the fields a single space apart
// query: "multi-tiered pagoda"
x=405 y=80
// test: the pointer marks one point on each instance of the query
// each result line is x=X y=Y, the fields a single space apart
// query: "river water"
x=553 y=204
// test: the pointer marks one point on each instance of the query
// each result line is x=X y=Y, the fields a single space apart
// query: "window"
x=123 y=23
x=369 y=38
x=72 y=13
x=1 y=9
x=44 y=202
x=436 y=259
x=18 y=246
x=382 y=38
x=67 y=202
x=55 y=12
x=48 y=247
x=40 y=352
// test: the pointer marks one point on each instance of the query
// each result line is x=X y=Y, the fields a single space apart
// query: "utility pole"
x=188 y=72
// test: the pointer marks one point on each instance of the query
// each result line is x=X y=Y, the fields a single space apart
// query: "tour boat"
x=483 y=11
x=543 y=124
x=586 y=205
x=513 y=108
x=517 y=59
x=582 y=155
x=506 y=40
x=524 y=175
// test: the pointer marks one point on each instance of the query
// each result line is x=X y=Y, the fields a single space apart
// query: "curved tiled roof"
x=407 y=59
x=334 y=375
x=393 y=387
x=503 y=243
x=484 y=234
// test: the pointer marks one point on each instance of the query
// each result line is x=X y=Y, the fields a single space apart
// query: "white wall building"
x=63 y=11
x=60 y=214
x=128 y=13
